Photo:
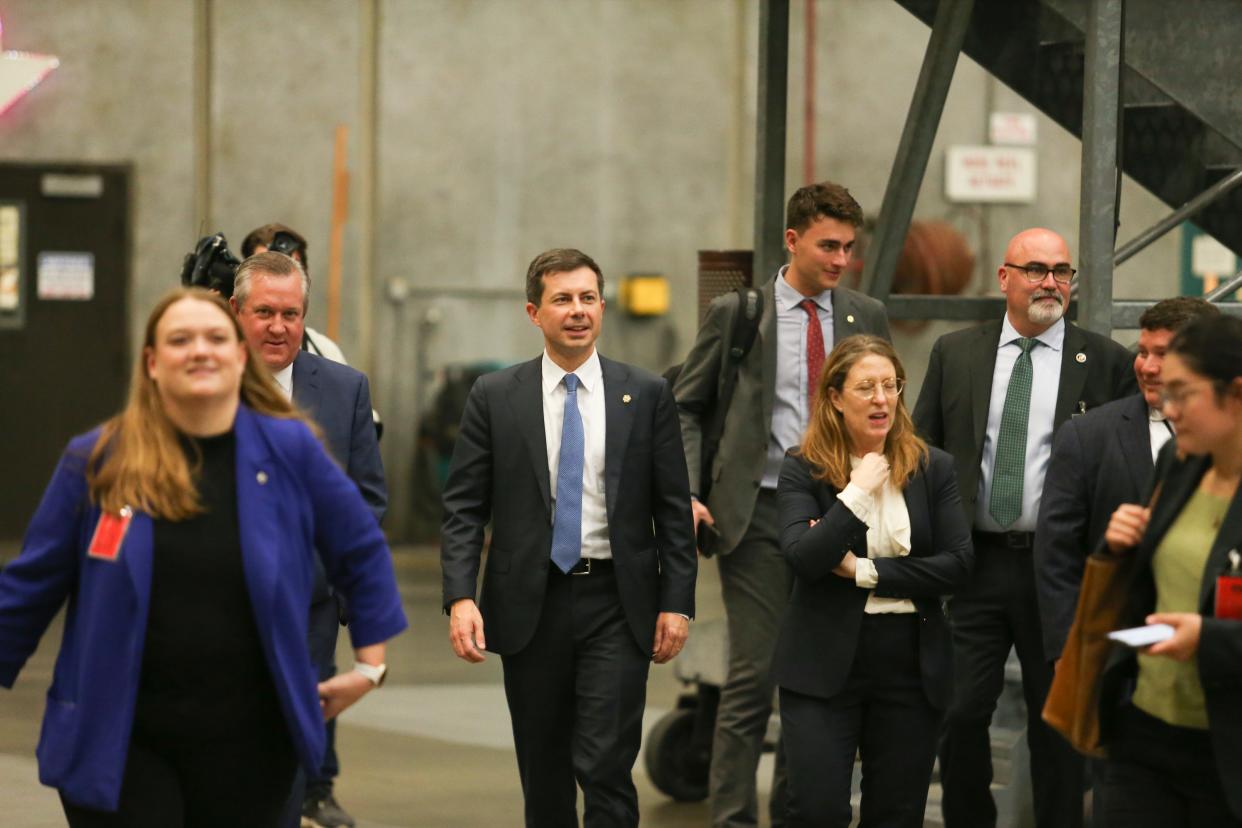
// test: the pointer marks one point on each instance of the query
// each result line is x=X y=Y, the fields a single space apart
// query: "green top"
x=1169 y=689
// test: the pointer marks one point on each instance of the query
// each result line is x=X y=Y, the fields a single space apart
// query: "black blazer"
x=1099 y=461
x=821 y=627
x=952 y=411
x=1220 y=642
x=499 y=474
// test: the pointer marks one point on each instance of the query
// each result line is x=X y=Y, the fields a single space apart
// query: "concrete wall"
x=483 y=131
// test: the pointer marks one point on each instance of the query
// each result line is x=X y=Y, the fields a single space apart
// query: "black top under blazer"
x=820 y=633
x=1220 y=641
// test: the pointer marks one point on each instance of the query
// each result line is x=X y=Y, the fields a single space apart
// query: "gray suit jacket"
x=952 y=411
x=738 y=468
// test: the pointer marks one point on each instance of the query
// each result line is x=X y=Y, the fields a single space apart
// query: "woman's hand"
x=847 y=567
x=1126 y=527
x=1185 y=641
x=870 y=473
x=342 y=690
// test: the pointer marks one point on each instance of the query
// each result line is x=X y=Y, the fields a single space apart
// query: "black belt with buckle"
x=1018 y=541
x=591 y=566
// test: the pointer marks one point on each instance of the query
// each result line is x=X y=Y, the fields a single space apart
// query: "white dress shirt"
x=888 y=536
x=284 y=378
x=1161 y=430
x=790 y=407
x=595 y=543
x=1045 y=384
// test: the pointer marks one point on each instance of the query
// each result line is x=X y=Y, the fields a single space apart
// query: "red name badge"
x=1229 y=590
x=109 y=534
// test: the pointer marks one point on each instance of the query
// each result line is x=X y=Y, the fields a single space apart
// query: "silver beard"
x=1046 y=314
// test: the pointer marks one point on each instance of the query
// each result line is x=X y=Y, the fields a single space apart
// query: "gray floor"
x=431 y=748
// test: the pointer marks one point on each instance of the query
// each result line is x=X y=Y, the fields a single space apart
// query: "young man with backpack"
x=751 y=404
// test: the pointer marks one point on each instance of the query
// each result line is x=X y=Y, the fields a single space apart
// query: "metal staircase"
x=1175 y=148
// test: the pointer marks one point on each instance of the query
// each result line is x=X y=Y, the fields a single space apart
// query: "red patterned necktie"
x=814 y=348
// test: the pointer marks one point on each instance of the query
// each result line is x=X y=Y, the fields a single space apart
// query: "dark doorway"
x=64 y=320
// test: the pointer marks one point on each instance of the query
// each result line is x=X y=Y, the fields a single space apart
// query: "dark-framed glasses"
x=866 y=390
x=1036 y=272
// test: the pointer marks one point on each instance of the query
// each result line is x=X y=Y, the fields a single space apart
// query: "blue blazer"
x=291 y=500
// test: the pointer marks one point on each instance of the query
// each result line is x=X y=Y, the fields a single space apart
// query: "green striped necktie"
x=1009 y=466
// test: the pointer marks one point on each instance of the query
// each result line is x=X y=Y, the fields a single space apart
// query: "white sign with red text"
x=1003 y=175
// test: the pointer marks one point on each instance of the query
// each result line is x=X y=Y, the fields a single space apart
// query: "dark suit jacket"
x=291 y=501
x=1099 y=461
x=1220 y=641
x=952 y=411
x=338 y=399
x=499 y=473
x=821 y=628
x=740 y=460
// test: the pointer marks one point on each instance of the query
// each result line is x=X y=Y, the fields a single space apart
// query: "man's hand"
x=1185 y=641
x=870 y=473
x=700 y=512
x=342 y=690
x=1126 y=527
x=847 y=567
x=672 y=630
x=466 y=630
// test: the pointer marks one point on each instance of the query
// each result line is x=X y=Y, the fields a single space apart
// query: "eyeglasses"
x=866 y=390
x=1178 y=395
x=1036 y=272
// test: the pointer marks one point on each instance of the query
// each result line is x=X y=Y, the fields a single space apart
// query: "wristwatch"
x=373 y=673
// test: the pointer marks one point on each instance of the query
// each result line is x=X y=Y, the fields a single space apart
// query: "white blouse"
x=888 y=536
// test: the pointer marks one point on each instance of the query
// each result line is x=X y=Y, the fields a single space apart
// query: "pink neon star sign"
x=20 y=72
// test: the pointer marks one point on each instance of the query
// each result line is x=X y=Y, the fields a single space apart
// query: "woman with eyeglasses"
x=874 y=530
x=182 y=534
x=1171 y=713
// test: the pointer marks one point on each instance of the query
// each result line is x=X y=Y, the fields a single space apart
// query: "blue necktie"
x=567 y=524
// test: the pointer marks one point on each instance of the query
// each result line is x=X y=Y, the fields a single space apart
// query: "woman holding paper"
x=874 y=530
x=1171 y=713
x=182 y=534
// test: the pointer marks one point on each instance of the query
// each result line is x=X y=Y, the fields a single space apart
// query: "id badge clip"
x=1229 y=589
x=110 y=534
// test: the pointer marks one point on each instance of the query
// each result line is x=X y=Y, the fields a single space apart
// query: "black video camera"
x=212 y=266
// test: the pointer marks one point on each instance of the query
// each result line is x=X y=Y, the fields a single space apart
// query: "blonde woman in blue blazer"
x=182 y=534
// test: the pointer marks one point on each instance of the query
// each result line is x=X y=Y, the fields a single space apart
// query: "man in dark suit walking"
x=993 y=396
x=576 y=462
x=804 y=314
x=1099 y=461
x=270 y=299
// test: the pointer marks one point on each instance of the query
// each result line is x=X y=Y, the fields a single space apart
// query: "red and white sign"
x=1004 y=175
x=1012 y=128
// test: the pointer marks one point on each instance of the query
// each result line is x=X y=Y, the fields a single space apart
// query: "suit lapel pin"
x=849 y=317
x=625 y=398
x=1080 y=357
x=262 y=478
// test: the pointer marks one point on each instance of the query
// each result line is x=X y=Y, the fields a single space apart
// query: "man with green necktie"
x=993 y=396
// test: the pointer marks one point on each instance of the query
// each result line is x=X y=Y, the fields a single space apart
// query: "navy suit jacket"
x=338 y=399
x=821 y=628
x=291 y=500
x=1099 y=461
x=499 y=474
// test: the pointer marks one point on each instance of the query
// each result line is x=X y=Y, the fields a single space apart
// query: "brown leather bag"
x=1073 y=704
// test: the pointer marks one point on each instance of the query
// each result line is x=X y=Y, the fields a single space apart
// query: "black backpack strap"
x=741 y=340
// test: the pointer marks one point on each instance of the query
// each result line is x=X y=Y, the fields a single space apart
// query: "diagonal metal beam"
x=770 y=139
x=1098 y=217
x=909 y=166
